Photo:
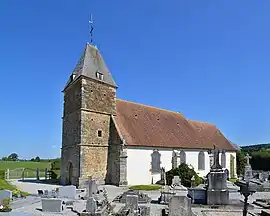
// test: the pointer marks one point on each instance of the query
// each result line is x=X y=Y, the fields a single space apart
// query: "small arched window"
x=155 y=162
x=182 y=157
x=223 y=159
x=201 y=161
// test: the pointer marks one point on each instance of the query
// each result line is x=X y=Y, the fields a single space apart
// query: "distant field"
x=30 y=168
x=24 y=164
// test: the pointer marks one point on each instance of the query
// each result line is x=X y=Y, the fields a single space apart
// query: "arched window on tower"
x=155 y=162
x=182 y=157
x=201 y=161
x=223 y=159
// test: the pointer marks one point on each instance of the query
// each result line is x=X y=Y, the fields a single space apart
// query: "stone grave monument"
x=67 y=192
x=52 y=205
x=176 y=184
x=135 y=203
x=248 y=170
x=91 y=205
x=5 y=194
x=217 y=192
x=180 y=205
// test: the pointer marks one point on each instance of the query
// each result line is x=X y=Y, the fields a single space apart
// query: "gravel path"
x=31 y=186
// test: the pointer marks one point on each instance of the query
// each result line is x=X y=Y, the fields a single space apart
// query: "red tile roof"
x=147 y=126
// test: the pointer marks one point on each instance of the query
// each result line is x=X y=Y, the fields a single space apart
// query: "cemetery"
x=215 y=196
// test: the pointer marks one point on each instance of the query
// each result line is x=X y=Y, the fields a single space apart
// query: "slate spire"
x=92 y=65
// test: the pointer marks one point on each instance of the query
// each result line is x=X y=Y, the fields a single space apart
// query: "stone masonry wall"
x=72 y=98
x=98 y=97
x=94 y=162
x=91 y=124
x=70 y=154
x=98 y=104
x=113 y=173
x=71 y=133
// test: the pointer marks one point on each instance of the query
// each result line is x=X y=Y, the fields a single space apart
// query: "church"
x=124 y=143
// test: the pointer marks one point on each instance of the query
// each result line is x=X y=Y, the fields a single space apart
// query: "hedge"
x=2 y=174
x=55 y=165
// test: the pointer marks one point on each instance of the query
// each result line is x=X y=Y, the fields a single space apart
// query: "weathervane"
x=91 y=29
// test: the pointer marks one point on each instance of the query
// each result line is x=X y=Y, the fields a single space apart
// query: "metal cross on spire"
x=91 y=29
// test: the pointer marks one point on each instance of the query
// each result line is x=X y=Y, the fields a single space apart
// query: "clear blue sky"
x=206 y=59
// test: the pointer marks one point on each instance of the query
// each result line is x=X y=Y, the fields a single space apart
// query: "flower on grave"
x=16 y=192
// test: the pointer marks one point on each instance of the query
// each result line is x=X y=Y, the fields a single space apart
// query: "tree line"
x=15 y=157
x=260 y=158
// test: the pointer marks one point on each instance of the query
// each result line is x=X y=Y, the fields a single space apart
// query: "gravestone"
x=67 y=192
x=176 y=181
x=176 y=184
x=142 y=198
x=248 y=170
x=132 y=203
x=91 y=205
x=52 y=205
x=217 y=192
x=198 y=195
x=180 y=205
x=91 y=187
x=5 y=194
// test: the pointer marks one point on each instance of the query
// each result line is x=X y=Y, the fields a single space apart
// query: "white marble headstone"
x=176 y=181
x=51 y=205
x=67 y=191
x=5 y=194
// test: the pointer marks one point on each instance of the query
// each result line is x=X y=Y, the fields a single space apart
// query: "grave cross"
x=247 y=157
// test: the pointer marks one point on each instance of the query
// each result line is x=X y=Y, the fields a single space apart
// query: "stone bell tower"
x=89 y=104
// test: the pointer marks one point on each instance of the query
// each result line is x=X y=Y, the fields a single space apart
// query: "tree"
x=185 y=173
x=4 y=159
x=37 y=159
x=13 y=157
x=240 y=162
x=56 y=164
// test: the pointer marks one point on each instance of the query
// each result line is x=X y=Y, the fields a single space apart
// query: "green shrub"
x=185 y=173
x=2 y=174
x=145 y=187
x=53 y=175
x=56 y=164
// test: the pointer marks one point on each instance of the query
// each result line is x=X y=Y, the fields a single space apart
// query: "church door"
x=232 y=166
x=70 y=173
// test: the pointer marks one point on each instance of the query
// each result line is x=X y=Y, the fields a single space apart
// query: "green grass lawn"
x=24 y=164
x=5 y=185
x=30 y=168
x=145 y=187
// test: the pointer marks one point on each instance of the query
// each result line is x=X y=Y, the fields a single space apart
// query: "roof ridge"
x=153 y=107
x=203 y=122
